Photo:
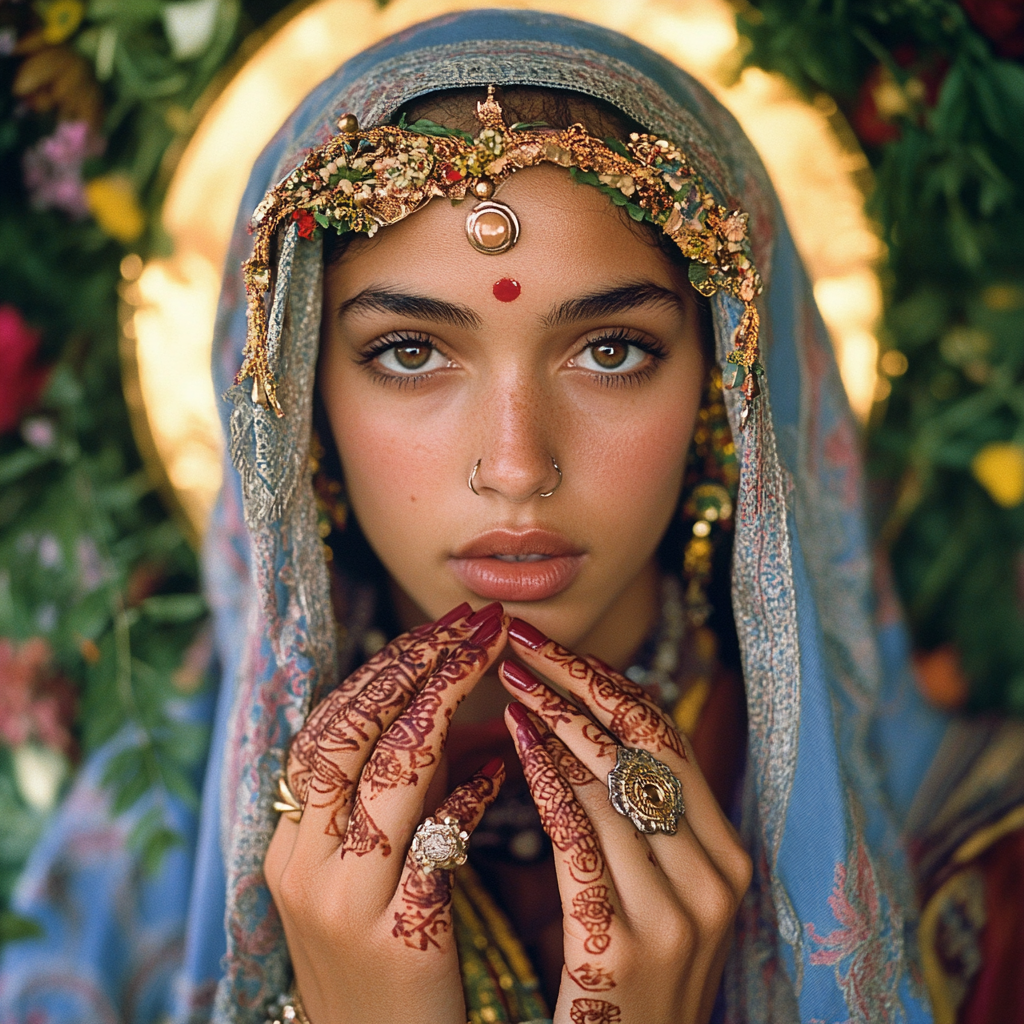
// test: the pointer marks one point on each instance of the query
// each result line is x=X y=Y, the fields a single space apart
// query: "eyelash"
x=630 y=379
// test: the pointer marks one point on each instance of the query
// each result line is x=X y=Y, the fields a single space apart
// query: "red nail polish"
x=488 y=611
x=459 y=612
x=486 y=631
x=492 y=767
x=519 y=677
x=526 y=731
x=527 y=635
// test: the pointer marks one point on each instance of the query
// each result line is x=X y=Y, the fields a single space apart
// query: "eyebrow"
x=419 y=307
x=621 y=299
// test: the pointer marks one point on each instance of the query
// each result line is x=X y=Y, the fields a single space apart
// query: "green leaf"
x=174 y=607
x=618 y=147
x=14 y=927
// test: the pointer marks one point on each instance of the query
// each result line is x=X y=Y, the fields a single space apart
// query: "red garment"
x=997 y=995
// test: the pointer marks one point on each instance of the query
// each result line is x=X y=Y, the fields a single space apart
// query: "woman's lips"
x=528 y=565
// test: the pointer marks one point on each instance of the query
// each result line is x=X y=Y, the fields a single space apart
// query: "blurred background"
x=892 y=130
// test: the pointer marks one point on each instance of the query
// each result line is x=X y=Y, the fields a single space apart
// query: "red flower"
x=21 y=380
x=35 y=702
x=1001 y=22
x=451 y=173
x=307 y=223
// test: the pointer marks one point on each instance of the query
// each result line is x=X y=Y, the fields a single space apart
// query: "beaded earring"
x=712 y=478
x=331 y=502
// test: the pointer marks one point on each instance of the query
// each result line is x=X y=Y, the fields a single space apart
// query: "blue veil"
x=838 y=741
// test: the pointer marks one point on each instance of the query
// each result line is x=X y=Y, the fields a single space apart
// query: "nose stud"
x=543 y=494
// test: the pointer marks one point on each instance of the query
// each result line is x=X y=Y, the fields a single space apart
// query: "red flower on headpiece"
x=307 y=224
x=21 y=380
x=451 y=173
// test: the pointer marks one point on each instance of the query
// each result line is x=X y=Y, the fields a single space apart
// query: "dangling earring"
x=712 y=476
x=711 y=480
x=331 y=503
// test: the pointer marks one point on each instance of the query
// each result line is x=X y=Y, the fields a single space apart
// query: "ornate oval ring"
x=547 y=494
x=439 y=845
x=492 y=228
x=643 y=789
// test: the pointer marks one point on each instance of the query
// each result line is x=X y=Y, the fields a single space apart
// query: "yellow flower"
x=112 y=201
x=999 y=468
x=60 y=19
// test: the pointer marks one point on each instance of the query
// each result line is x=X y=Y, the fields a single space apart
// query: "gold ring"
x=644 y=790
x=287 y=803
x=547 y=494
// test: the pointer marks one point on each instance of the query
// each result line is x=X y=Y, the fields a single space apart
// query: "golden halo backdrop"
x=170 y=303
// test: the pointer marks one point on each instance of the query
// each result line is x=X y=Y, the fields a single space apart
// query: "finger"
x=394 y=783
x=302 y=750
x=636 y=721
x=346 y=740
x=591 y=910
x=422 y=905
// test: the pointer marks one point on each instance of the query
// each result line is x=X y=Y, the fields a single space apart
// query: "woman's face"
x=596 y=364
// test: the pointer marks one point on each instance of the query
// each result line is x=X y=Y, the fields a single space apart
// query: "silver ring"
x=472 y=477
x=439 y=845
x=547 y=494
x=643 y=789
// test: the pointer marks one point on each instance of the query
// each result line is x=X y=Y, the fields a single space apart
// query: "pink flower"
x=21 y=380
x=53 y=168
x=36 y=703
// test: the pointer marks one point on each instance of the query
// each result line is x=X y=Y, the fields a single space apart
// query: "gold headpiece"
x=362 y=180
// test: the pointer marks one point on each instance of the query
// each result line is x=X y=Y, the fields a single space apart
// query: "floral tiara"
x=361 y=180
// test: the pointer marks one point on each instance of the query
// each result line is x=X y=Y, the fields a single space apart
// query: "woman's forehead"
x=571 y=237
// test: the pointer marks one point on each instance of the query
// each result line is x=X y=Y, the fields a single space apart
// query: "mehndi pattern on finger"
x=594 y=1011
x=591 y=978
x=593 y=910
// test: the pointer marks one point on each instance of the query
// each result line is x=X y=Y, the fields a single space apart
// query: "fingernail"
x=487 y=612
x=526 y=731
x=527 y=635
x=458 y=612
x=492 y=767
x=520 y=678
x=486 y=631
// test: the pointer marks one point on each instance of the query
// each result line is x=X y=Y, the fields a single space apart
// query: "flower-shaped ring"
x=439 y=845
x=644 y=790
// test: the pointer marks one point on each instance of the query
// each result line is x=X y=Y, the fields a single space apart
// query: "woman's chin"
x=494 y=579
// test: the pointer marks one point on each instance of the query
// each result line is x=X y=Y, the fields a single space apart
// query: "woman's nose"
x=514 y=460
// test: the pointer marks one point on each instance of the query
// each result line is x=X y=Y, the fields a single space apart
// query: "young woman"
x=556 y=682
x=504 y=392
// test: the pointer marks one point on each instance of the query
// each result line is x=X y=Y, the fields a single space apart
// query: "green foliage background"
x=949 y=166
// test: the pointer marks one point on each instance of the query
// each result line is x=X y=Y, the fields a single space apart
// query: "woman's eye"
x=610 y=355
x=411 y=357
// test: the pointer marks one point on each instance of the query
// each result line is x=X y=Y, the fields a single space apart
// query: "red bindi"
x=507 y=290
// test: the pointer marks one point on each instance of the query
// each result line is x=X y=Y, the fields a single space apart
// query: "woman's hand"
x=647 y=918
x=369 y=932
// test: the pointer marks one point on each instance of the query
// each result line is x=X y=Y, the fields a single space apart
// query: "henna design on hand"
x=424 y=900
x=424 y=916
x=592 y=908
x=591 y=978
x=606 y=745
x=635 y=720
x=562 y=815
x=594 y=1011
x=571 y=768
x=363 y=836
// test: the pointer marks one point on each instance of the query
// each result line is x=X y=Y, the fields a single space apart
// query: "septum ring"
x=543 y=494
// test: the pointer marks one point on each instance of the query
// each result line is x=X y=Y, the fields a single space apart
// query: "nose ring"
x=543 y=494
x=547 y=494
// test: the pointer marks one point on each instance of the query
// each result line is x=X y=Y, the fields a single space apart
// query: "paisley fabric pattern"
x=838 y=741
